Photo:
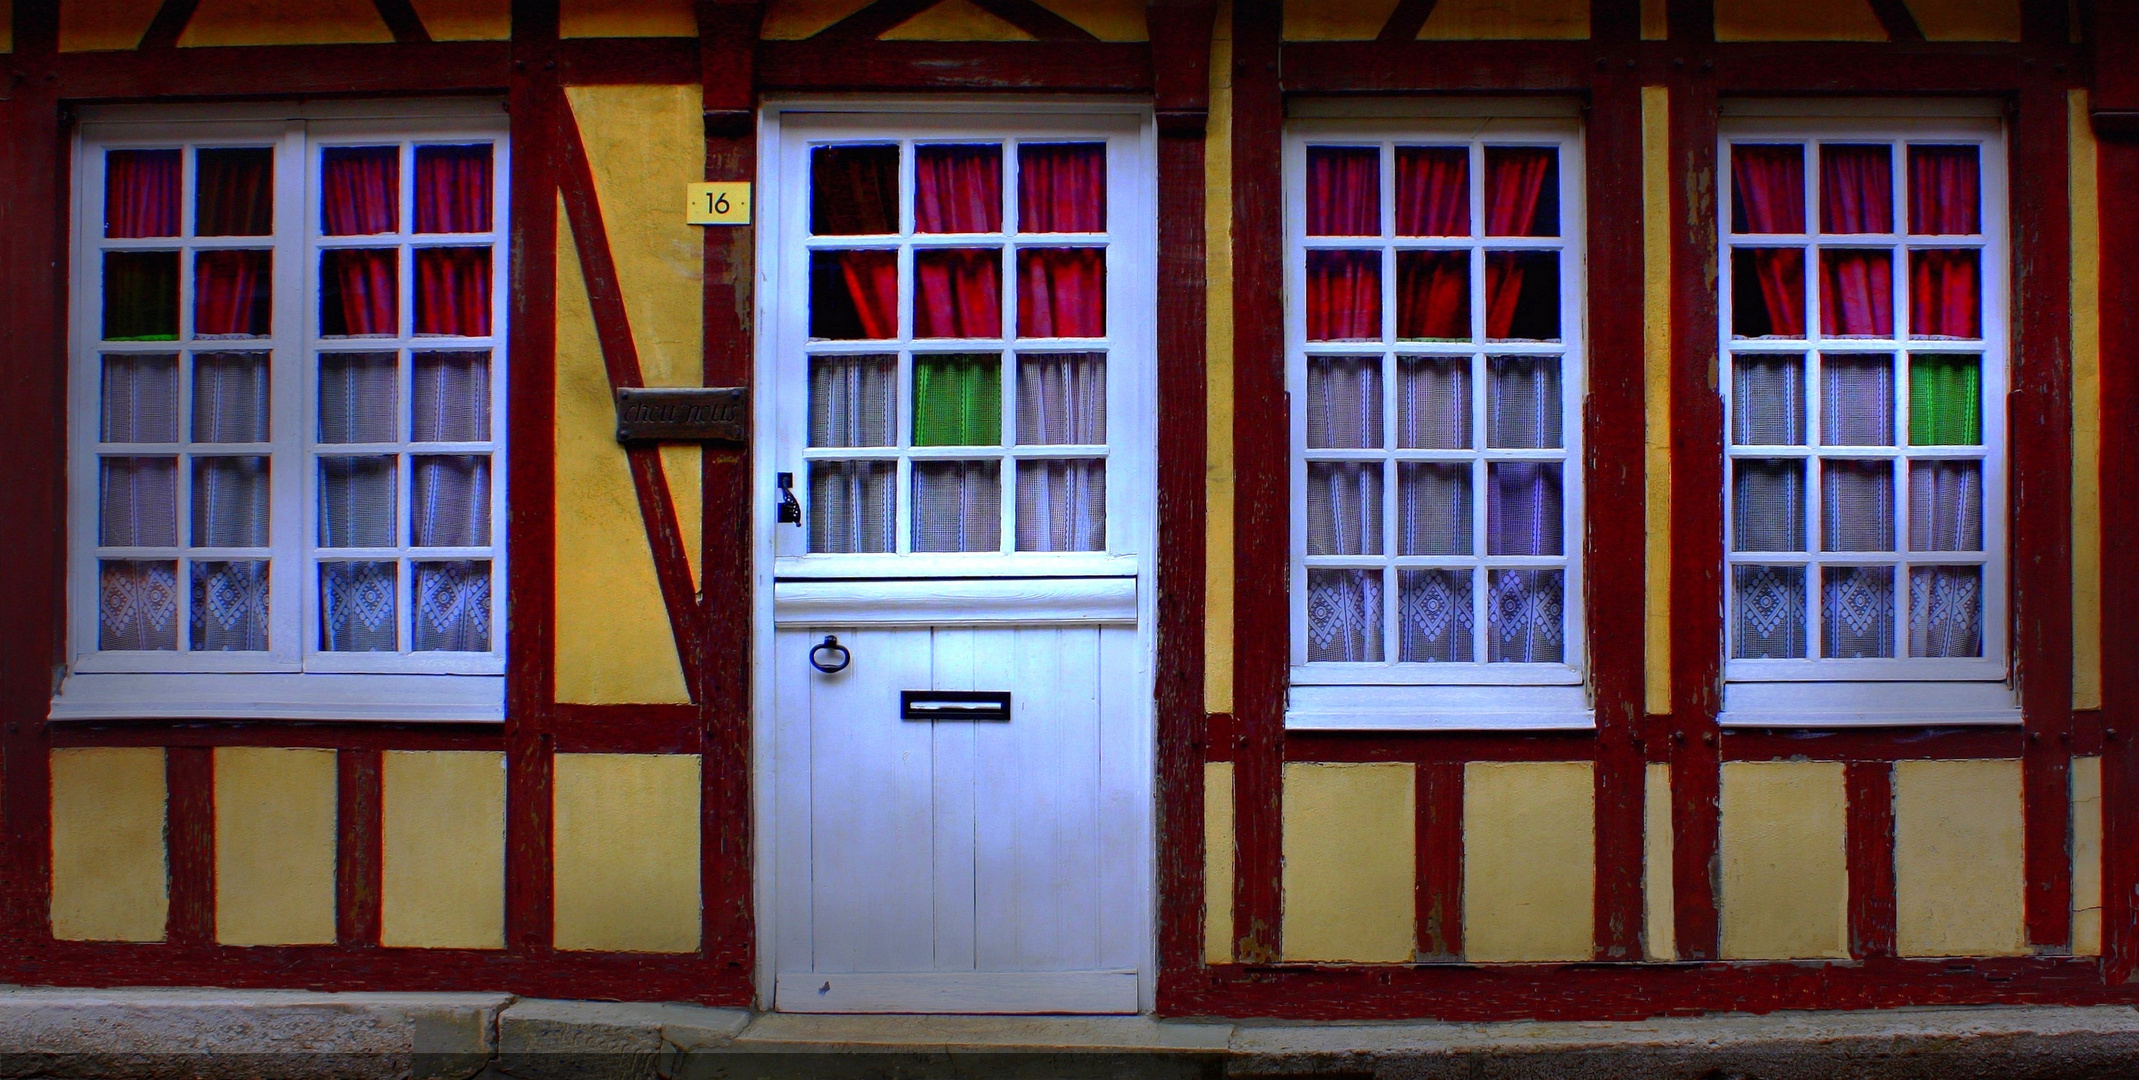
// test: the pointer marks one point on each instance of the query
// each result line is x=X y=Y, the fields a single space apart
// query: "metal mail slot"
x=954 y=705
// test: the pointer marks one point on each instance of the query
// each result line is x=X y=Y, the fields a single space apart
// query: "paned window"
x=960 y=344
x=1864 y=314
x=289 y=355
x=1436 y=381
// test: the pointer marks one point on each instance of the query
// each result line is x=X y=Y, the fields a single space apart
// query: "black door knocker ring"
x=829 y=656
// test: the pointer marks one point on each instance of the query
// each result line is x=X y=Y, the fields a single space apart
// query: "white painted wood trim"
x=955 y=603
x=1867 y=704
x=281 y=696
x=1439 y=708
x=980 y=992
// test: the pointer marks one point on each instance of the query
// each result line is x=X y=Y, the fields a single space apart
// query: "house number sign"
x=717 y=204
x=706 y=414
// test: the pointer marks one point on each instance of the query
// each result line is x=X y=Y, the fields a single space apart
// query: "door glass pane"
x=1857 y=513
x=1062 y=187
x=141 y=296
x=1343 y=403
x=1945 y=506
x=1856 y=188
x=1522 y=191
x=958 y=400
x=1062 y=505
x=230 y=502
x=449 y=501
x=138 y=499
x=851 y=506
x=1062 y=399
x=1857 y=401
x=1433 y=193
x=1524 y=409
x=234 y=192
x=1768 y=505
x=356 y=397
x=854 y=294
x=356 y=502
x=453 y=186
x=453 y=291
x=230 y=397
x=141 y=193
x=958 y=506
x=958 y=189
x=958 y=293
x=851 y=400
x=1945 y=401
x=450 y=397
x=854 y=190
x=1433 y=508
x=1768 y=401
x=1433 y=296
x=1523 y=508
x=1343 y=191
x=360 y=190
x=1433 y=405
x=1344 y=508
x=1062 y=292
x=140 y=399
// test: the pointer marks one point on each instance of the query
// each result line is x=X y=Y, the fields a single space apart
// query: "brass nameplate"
x=680 y=414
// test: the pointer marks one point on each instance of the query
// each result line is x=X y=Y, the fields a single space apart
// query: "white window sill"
x=281 y=696
x=1439 y=708
x=1866 y=704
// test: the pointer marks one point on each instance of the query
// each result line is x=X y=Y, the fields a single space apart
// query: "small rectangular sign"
x=717 y=204
x=680 y=414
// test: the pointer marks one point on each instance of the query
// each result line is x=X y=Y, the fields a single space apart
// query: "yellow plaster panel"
x=1659 y=908
x=956 y=20
x=1967 y=20
x=1958 y=877
x=1217 y=862
x=285 y=22
x=1107 y=20
x=626 y=850
x=2086 y=409
x=2087 y=856
x=1350 y=862
x=108 y=869
x=443 y=841
x=1529 y=861
x=1482 y=19
x=1655 y=20
x=1656 y=368
x=274 y=845
x=628 y=18
x=791 y=20
x=1797 y=20
x=613 y=642
x=465 y=20
x=7 y=26
x=1336 y=20
x=1218 y=375
x=1785 y=890
x=87 y=25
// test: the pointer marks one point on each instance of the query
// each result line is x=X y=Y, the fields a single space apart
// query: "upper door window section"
x=1864 y=309
x=959 y=341
x=1436 y=388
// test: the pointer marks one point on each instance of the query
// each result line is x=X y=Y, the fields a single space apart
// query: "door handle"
x=834 y=657
x=954 y=705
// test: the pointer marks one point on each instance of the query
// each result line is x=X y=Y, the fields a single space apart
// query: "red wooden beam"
x=630 y=61
x=330 y=735
x=1870 y=843
x=815 y=64
x=284 y=71
x=1438 y=837
x=1422 y=747
x=1871 y=744
x=1354 y=67
x=359 y=858
x=189 y=829
x=2117 y=170
x=1035 y=20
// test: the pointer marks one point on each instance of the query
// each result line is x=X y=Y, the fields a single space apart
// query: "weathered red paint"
x=359 y=856
x=1870 y=843
x=1438 y=836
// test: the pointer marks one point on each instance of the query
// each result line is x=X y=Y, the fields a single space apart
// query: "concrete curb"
x=214 y=1034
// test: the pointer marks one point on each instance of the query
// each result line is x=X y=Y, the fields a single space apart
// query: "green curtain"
x=1945 y=401
x=958 y=400
x=141 y=296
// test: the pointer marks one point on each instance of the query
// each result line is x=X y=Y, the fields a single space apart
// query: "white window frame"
x=1130 y=343
x=1392 y=694
x=293 y=679
x=1816 y=691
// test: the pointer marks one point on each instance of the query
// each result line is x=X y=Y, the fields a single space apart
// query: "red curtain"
x=1433 y=294
x=234 y=192
x=1343 y=295
x=1943 y=288
x=1062 y=187
x=1944 y=199
x=360 y=293
x=360 y=189
x=958 y=293
x=1514 y=184
x=1768 y=188
x=958 y=189
x=1856 y=189
x=453 y=291
x=1062 y=292
x=453 y=189
x=873 y=283
x=232 y=292
x=1433 y=193
x=1781 y=272
x=1856 y=293
x=1343 y=191
x=141 y=193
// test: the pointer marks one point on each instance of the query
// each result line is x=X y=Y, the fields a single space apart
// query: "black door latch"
x=790 y=512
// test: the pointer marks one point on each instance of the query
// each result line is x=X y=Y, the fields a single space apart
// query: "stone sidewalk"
x=267 y=1035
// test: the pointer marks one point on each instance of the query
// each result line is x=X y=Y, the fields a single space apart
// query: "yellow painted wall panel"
x=625 y=840
x=1218 y=862
x=1958 y=874
x=109 y=876
x=1336 y=20
x=1785 y=889
x=2087 y=856
x=791 y=20
x=628 y=18
x=956 y=20
x=1484 y=19
x=7 y=26
x=1967 y=20
x=465 y=20
x=1659 y=907
x=1656 y=394
x=274 y=845
x=1350 y=861
x=443 y=849
x=285 y=22
x=2086 y=408
x=1655 y=21
x=1797 y=20
x=613 y=643
x=1529 y=861
x=89 y=25
x=1107 y=20
x=1218 y=375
